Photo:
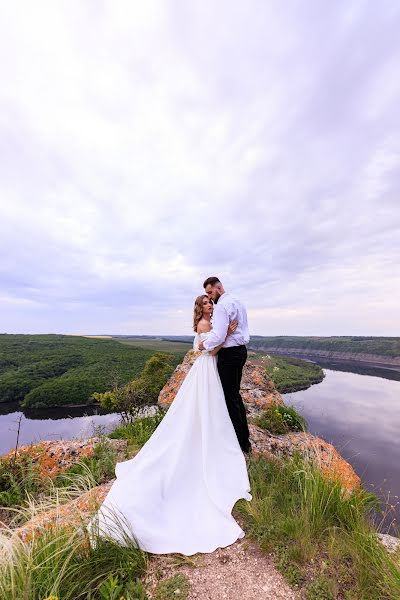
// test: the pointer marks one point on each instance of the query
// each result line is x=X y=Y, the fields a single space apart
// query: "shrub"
x=17 y=478
x=138 y=432
x=130 y=399
x=279 y=419
x=321 y=588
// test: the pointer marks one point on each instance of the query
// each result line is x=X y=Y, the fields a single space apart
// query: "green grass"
x=138 y=432
x=100 y=465
x=71 y=563
x=323 y=540
x=289 y=374
x=17 y=479
x=280 y=419
x=176 y=586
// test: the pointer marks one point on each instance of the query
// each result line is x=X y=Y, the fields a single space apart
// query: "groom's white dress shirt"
x=227 y=309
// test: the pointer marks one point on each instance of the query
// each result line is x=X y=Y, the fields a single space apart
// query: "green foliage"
x=157 y=370
x=177 y=586
x=100 y=465
x=285 y=564
x=382 y=346
x=280 y=419
x=321 y=588
x=130 y=399
x=139 y=431
x=290 y=374
x=313 y=528
x=17 y=478
x=55 y=370
x=61 y=562
x=113 y=589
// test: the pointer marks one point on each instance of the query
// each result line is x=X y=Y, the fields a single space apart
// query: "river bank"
x=328 y=357
x=288 y=374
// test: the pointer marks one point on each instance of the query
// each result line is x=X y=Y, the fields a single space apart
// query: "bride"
x=176 y=495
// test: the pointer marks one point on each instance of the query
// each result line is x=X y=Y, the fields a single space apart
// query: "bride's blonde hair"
x=198 y=310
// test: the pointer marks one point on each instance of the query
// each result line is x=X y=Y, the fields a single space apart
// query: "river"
x=360 y=415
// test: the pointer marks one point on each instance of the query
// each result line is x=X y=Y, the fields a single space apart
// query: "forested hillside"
x=54 y=370
x=381 y=346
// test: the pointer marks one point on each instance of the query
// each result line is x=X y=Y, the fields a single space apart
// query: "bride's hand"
x=232 y=327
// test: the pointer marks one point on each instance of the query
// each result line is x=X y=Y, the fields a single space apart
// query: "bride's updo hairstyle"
x=198 y=310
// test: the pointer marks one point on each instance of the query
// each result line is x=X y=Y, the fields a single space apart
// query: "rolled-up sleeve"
x=220 y=327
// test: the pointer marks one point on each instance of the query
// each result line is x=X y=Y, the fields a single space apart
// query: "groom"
x=233 y=354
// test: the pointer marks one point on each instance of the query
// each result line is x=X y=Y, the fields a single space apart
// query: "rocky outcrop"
x=333 y=466
x=56 y=456
x=71 y=513
x=257 y=389
x=392 y=544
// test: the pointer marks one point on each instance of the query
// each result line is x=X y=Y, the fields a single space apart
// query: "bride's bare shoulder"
x=203 y=326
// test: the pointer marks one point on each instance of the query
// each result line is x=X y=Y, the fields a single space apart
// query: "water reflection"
x=360 y=416
x=51 y=424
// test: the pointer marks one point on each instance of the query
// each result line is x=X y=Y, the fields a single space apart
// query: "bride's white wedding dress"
x=177 y=493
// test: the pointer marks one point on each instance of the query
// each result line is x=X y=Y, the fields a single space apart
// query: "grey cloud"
x=269 y=156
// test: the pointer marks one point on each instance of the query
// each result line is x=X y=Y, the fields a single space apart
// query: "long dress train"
x=177 y=493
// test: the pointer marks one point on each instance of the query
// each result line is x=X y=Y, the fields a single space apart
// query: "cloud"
x=147 y=146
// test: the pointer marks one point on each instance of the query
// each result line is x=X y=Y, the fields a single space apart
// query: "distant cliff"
x=382 y=351
x=360 y=357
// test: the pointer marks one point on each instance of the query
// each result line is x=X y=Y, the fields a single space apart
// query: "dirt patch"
x=240 y=571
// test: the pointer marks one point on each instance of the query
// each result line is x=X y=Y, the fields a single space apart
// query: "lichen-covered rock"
x=56 y=456
x=72 y=513
x=172 y=386
x=333 y=466
x=257 y=389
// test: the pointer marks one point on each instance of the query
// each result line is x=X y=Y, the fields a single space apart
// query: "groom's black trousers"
x=230 y=366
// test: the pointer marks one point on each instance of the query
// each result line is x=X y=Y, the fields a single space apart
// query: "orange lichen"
x=66 y=515
x=50 y=458
x=333 y=466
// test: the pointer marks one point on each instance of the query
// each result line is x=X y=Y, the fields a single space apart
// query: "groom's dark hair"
x=211 y=281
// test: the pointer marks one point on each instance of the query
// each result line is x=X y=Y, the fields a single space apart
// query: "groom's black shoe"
x=248 y=451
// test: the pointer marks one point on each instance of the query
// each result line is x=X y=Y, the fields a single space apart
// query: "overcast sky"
x=147 y=145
